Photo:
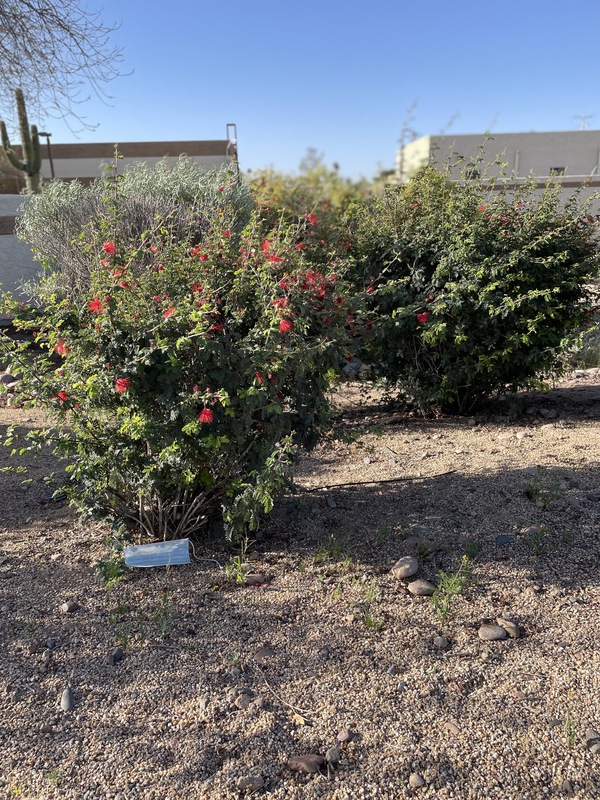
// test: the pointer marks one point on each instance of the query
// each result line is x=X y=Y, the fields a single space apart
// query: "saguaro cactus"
x=30 y=142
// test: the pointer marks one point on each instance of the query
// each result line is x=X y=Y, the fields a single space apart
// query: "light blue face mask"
x=158 y=554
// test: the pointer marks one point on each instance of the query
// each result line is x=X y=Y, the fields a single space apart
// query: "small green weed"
x=111 y=570
x=237 y=568
x=382 y=535
x=450 y=585
x=538 y=540
x=54 y=776
x=541 y=490
x=331 y=552
x=570 y=730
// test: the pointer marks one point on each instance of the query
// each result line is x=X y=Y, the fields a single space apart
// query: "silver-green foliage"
x=180 y=198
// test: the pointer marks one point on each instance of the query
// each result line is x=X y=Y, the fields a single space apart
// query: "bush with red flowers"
x=180 y=376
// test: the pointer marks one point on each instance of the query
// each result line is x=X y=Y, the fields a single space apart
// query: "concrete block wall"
x=17 y=264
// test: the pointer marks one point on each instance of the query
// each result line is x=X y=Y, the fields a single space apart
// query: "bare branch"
x=58 y=53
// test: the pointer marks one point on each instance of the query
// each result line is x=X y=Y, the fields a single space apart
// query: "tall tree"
x=58 y=53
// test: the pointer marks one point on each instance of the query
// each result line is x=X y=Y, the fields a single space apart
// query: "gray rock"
x=69 y=607
x=416 y=781
x=7 y=378
x=491 y=633
x=309 y=763
x=592 y=740
x=252 y=782
x=441 y=642
x=510 y=626
x=255 y=579
x=66 y=700
x=405 y=567
x=263 y=654
x=548 y=413
x=566 y=787
x=421 y=588
x=420 y=530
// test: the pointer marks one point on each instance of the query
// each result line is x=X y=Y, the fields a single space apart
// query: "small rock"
x=566 y=787
x=416 y=781
x=510 y=626
x=346 y=735
x=7 y=378
x=66 y=700
x=420 y=530
x=591 y=736
x=491 y=633
x=45 y=728
x=331 y=502
x=263 y=654
x=421 y=588
x=548 y=413
x=405 y=567
x=309 y=763
x=255 y=579
x=70 y=607
x=47 y=656
x=522 y=435
x=441 y=642
x=242 y=701
x=253 y=782
x=451 y=727
x=115 y=656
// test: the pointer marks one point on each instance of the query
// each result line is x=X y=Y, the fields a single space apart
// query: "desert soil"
x=184 y=683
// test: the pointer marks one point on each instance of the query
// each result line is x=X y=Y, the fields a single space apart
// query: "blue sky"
x=341 y=75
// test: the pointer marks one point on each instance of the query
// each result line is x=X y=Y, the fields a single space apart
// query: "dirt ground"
x=187 y=683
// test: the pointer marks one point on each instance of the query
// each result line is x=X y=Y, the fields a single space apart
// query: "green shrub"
x=178 y=383
x=471 y=296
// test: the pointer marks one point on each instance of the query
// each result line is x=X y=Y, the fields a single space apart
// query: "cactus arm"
x=9 y=152
x=36 y=158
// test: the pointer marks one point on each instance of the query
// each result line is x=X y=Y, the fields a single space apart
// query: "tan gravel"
x=221 y=684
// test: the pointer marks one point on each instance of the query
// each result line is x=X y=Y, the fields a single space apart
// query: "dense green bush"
x=471 y=296
x=181 y=373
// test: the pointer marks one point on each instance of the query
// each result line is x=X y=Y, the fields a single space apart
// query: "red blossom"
x=206 y=416
x=122 y=385
x=220 y=189
x=196 y=287
x=61 y=348
x=283 y=302
x=300 y=246
x=227 y=233
x=62 y=397
x=285 y=326
x=423 y=318
x=265 y=245
x=311 y=219
x=168 y=312
x=275 y=259
x=259 y=377
x=124 y=285
x=96 y=306
x=110 y=248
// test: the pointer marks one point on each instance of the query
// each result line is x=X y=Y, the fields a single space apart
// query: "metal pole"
x=48 y=135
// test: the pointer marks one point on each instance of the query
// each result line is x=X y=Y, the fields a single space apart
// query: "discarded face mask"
x=158 y=554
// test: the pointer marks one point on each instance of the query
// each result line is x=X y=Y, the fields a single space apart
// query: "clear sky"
x=341 y=75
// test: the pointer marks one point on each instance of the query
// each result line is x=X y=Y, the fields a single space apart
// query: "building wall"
x=16 y=260
x=89 y=161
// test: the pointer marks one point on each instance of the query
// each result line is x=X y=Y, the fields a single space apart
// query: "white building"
x=569 y=157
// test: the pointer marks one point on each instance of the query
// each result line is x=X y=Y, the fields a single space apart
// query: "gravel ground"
x=184 y=683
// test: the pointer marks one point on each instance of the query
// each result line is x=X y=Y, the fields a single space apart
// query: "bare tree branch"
x=58 y=53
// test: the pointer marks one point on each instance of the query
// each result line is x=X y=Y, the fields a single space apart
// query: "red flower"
x=219 y=189
x=226 y=233
x=110 y=248
x=196 y=287
x=124 y=285
x=61 y=348
x=122 y=385
x=96 y=306
x=274 y=259
x=62 y=397
x=283 y=302
x=265 y=245
x=311 y=219
x=206 y=416
x=285 y=326
x=259 y=378
x=300 y=246
x=422 y=318
x=168 y=312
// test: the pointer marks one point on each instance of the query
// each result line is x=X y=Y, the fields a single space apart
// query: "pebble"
x=441 y=642
x=421 y=588
x=263 y=654
x=255 y=579
x=69 y=607
x=253 y=782
x=405 y=567
x=420 y=530
x=416 y=781
x=309 y=763
x=242 y=701
x=66 y=700
x=510 y=626
x=491 y=633
x=451 y=727
x=548 y=413
x=566 y=787
x=116 y=656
